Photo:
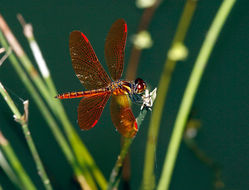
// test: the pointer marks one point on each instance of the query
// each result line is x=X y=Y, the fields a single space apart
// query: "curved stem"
x=148 y=174
x=190 y=92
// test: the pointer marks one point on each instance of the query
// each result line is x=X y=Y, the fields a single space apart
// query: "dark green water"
x=221 y=102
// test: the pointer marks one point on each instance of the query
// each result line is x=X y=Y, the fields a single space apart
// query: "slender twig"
x=45 y=112
x=190 y=92
x=15 y=163
x=23 y=120
x=82 y=154
x=184 y=23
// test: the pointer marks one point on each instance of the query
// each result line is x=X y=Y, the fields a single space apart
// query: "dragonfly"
x=99 y=86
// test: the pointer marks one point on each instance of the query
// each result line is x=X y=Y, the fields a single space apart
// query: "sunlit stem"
x=15 y=163
x=190 y=92
x=23 y=120
x=28 y=32
x=148 y=173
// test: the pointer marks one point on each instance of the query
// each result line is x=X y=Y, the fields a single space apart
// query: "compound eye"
x=140 y=85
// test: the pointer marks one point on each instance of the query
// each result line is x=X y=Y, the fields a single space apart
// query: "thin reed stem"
x=44 y=110
x=190 y=92
x=83 y=156
x=181 y=31
x=59 y=112
x=9 y=171
x=23 y=120
x=116 y=171
x=15 y=163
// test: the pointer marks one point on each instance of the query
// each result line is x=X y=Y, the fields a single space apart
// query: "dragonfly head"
x=140 y=86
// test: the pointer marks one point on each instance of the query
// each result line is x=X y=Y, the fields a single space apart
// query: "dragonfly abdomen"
x=81 y=94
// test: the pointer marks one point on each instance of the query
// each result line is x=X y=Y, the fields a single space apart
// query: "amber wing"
x=115 y=48
x=122 y=116
x=85 y=62
x=90 y=110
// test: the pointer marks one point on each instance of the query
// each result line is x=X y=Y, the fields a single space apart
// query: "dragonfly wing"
x=90 y=109
x=85 y=62
x=115 y=47
x=122 y=116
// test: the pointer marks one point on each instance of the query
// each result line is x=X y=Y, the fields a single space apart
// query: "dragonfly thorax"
x=134 y=89
x=120 y=87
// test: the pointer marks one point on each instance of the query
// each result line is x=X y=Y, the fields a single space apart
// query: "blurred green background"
x=221 y=104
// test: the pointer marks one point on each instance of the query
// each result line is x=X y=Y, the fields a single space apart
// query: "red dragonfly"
x=99 y=85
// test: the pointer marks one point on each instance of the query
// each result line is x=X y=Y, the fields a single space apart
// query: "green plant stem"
x=82 y=154
x=23 y=121
x=148 y=173
x=190 y=92
x=116 y=172
x=45 y=112
x=15 y=163
x=36 y=157
x=9 y=171
x=60 y=113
